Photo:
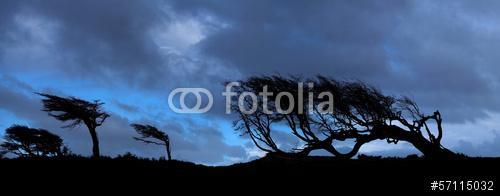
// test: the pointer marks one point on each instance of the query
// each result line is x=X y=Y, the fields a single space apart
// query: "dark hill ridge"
x=366 y=173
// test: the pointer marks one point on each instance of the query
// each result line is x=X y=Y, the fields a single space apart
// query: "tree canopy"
x=360 y=112
x=76 y=111
x=29 y=142
x=151 y=135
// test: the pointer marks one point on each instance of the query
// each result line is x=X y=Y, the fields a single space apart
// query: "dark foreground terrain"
x=266 y=175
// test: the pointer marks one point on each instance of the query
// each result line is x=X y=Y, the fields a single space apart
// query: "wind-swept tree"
x=28 y=142
x=151 y=135
x=360 y=113
x=77 y=111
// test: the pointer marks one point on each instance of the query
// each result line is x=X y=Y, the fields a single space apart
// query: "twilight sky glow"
x=131 y=54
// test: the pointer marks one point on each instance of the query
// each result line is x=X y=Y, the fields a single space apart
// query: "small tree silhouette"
x=28 y=142
x=149 y=132
x=77 y=111
x=360 y=112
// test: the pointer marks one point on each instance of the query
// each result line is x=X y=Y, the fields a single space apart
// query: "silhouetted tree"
x=360 y=112
x=28 y=142
x=151 y=135
x=77 y=111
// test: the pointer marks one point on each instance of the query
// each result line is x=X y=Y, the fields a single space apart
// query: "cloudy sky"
x=131 y=54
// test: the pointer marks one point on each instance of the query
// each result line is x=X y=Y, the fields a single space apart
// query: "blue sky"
x=131 y=55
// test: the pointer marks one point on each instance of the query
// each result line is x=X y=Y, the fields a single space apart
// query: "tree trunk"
x=95 y=142
x=429 y=149
x=169 y=156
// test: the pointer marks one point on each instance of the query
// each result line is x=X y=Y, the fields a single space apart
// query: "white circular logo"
x=182 y=100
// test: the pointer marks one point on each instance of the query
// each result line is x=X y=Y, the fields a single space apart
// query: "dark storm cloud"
x=440 y=53
x=19 y=104
x=127 y=107
x=100 y=40
x=444 y=52
x=300 y=37
x=107 y=36
x=417 y=48
x=486 y=149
